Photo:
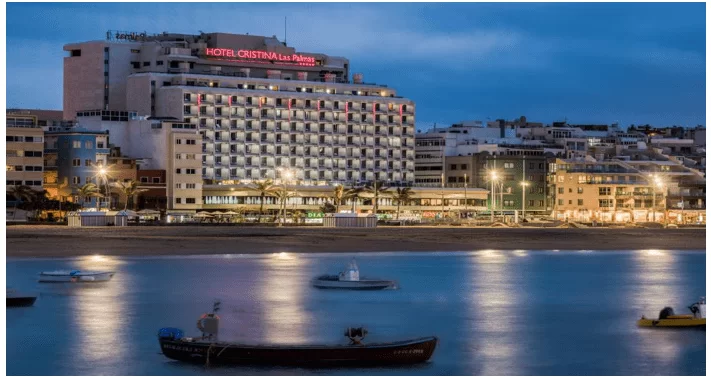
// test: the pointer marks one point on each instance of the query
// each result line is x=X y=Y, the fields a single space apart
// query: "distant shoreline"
x=61 y=241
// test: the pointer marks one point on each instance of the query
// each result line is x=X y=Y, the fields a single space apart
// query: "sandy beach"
x=59 y=241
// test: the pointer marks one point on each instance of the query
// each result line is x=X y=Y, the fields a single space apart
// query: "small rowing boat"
x=75 y=276
x=667 y=318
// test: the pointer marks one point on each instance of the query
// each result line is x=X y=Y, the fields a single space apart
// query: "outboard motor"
x=356 y=334
x=209 y=324
x=699 y=308
x=666 y=312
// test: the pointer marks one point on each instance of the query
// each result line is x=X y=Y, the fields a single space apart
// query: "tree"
x=21 y=193
x=402 y=196
x=339 y=194
x=89 y=190
x=264 y=188
x=64 y=190
x=354 y=193
x=128 y=189
x=328 y=208
x=282 y=196
x=377 y=189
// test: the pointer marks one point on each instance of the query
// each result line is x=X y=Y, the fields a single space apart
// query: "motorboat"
x=16 y=299
x=667 y=318
x=75 y=276
x=208 y=349
x=350 y=279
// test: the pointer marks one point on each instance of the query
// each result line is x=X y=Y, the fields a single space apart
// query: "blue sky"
x=589 y=63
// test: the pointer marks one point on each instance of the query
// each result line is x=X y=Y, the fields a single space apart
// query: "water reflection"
x=283 y=291
x=100 y=313
x=495 y=297
x=656 y=286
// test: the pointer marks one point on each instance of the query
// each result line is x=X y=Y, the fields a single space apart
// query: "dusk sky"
x=589 y=63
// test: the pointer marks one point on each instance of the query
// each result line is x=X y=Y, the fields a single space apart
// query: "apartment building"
x=24 y=144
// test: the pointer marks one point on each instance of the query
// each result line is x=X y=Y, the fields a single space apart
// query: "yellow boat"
x=667 y=318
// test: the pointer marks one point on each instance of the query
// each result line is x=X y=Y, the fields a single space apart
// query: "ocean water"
x=495 y=312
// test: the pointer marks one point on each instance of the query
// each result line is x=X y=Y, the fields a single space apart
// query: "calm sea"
x=495 y=312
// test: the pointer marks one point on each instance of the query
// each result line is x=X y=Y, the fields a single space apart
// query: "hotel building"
x=256 y=104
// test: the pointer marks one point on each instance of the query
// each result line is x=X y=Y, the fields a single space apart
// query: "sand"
x=61 y=241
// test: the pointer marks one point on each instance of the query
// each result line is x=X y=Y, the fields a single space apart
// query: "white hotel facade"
x=256 y=105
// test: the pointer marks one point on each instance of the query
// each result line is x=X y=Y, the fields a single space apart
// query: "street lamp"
x=466 y=205
x=524 y=184
x=493 y=178
x=103 y=174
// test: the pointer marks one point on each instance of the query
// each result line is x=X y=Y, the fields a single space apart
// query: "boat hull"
x=672 y=322
x=81 y=278
x=361 y=285
x=20 y=301
x=397 y=353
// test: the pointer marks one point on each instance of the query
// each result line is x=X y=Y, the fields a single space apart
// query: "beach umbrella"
x=203 y=214
x=230 y=213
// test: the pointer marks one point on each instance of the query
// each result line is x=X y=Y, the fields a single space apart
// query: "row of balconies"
x=255 y=102
x=300 y=152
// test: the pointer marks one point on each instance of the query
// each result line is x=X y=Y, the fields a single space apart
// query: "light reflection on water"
x=495 y=312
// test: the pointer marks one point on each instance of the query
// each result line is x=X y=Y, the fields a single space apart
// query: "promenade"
x=60 y=241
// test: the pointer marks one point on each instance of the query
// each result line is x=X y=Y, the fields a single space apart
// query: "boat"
x=667 y=318
x=75 y=276
x=16 y=299
x=350 y=279
x=208 y=349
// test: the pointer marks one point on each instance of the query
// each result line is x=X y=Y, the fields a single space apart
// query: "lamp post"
x=103 y=174
x=442 y=192
x=524 y=184
x=493 y=178
x=286 y=175
x=466 y=205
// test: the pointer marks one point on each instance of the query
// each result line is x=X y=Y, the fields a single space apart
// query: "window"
x=88 y=145
x=531 y=203
x=178 y=156
x=156 y=179
x=560 y=202
x=177 y=171
x=178 y=141
x=531 y=165
x=190 y=141
x=453 y=167
x=604 y=191
x=189 y=200
x=541 y=190
x=76 y=144
x=464 y=167
x=541 y=203
x=605 y=203
x=189 y=185
x=76 y=180
x=88 y=162
x=145 y=179
x=178 y=200
x=76 y=162
x=178 y=185
x=570 y=190
x=561 y=190
x=580 y=190
x=189 y=171
x=159 y=62
x=508 y=165
x=580 y=202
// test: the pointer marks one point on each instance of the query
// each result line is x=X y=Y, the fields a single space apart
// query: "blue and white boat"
x=75 y=276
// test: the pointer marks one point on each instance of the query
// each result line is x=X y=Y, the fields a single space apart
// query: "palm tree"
x=402 y=196
x=129 y=189
x=282 y=196
x=64 y=190
x=21 y=193
x=378 y=189
x=354 y=193
x=90 y=190
x=339 y=194
x=264 y=188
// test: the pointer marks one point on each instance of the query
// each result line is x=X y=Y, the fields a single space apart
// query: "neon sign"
x=294 y=59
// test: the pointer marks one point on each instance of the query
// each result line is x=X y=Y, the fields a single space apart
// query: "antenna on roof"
x=284 y=30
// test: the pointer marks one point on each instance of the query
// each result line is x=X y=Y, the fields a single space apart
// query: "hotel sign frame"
x=126 y=36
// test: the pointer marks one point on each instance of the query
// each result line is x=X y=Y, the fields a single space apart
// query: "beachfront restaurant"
x=97 y=218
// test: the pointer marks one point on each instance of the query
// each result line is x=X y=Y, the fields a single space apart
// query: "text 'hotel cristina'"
x=256 y=104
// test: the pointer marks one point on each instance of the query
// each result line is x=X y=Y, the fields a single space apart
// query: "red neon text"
x=260 y=55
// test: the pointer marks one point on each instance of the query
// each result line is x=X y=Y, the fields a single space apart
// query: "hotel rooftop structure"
x=257 y=106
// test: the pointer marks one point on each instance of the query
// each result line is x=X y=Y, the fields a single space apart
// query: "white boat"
x=75 y=276
x=350 y=279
